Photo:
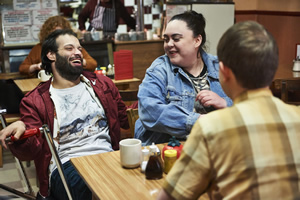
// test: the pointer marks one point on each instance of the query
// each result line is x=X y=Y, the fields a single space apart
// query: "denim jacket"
x=166 y=100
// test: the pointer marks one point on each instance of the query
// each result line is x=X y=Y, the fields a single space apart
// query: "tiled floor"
x=10 y=176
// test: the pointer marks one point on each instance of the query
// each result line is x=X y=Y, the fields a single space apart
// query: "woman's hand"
x=209 y=98
x=34 y=67
x=17 y=129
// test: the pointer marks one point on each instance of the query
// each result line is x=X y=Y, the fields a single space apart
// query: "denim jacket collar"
x=210 y=61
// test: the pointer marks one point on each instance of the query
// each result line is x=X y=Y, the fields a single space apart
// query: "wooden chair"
x=129 y=96
x=132 y=115
x=290 y=91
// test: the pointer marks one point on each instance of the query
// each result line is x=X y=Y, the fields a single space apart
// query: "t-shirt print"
x=79 y=115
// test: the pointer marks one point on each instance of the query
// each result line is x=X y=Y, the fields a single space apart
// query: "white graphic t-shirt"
x=83 y=128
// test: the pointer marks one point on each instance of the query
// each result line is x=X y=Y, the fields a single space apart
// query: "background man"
x=252 y=152
x=83 y=110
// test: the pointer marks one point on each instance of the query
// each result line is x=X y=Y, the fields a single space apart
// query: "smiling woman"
x=180 y=86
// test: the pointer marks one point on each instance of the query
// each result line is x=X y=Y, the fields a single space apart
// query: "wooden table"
x=286 y=73
x=126 y=84
x=12 y=75
x=107 y=179
x=283 y=74
x=27 y=85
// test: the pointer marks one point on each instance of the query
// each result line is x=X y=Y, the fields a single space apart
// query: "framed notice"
x=27 y=5
x=35 y=31
x=23 y=21
x=17 y=33
x=40 y=16
x=49 y=4
x=12 y=18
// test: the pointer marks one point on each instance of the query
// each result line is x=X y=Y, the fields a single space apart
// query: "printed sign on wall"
x=17 y=33
x=49 y=4
x=16 y=18
x=23 y=23
x=40 y=16
x=35 y=30
x=27 y=5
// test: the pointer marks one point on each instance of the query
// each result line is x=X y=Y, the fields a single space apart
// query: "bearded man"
x=84 y=112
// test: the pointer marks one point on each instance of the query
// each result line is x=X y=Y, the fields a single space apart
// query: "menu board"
x=22 y=24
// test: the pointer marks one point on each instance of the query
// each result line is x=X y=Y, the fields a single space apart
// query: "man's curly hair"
x=50 y=24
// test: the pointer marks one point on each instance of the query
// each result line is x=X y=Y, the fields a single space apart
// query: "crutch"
x=60 y=168
x=45 y=129
x=29 y=193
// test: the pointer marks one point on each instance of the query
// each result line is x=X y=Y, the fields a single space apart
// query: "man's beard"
x=66 y=70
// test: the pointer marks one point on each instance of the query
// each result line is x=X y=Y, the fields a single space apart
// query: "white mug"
x=149 y=35
x=43 y=76
x=130 y=152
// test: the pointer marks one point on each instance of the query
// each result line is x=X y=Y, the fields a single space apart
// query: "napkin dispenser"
x=123 y=61
x=296 y=67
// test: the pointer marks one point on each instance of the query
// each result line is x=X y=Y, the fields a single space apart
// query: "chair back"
x=128 y=96
x=290 y=91
x=132 y=115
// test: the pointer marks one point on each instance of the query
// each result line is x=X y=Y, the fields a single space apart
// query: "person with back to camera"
x=32 y=63
x=180 y=86
x=104 y=15
x=252 y=152
x=84 y=112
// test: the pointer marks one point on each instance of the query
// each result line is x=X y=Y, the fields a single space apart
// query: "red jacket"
x=37 y=109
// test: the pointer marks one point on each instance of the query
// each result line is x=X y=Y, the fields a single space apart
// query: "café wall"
x=281 y=18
